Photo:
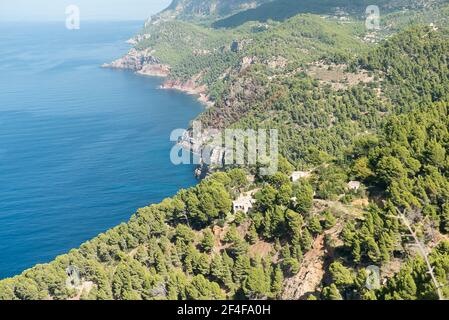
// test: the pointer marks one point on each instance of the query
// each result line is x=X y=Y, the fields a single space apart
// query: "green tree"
x=331 y=293
x=26 y=289
x=241 y=268
x=253 y=237
x=341 y=276
x=361 y=168
x=303 y=192
x=295 y=224
x=232 y=234
x=372 y=250
x=306 y=240
x=202 y=289
x=255 y=285
x=291 y=266
x=445 y=218
x=284 y=166
x=214 y=201
x=390 y=169
x=314 y=225
x=284 y=194
x=266 y=198
x=329 y=220
x=277 y=282
x=208 y=241
x=238 y=178
x=436 y=154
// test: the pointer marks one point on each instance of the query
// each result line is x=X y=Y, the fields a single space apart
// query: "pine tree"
x=372 y=250
x=285 y=252
x=303 y=192
x=202 y=264
x=341 y=276
x=291 y=266
x=278 y=222
x=331 y=293
x=306 y=240
x=297 y=252
x=445 y=218
x=253 y=237
x=348 y=234
x=208 y=241
x=295 y=224
x=227 y=260
x=329 y=220
x=241 y=267
x=174 y=258
x=407 y=287
x=314 y=225
x=356 y=251
x=232 y=234
x=202 y=289
x=277 y=244
x=255 y=285
x=277 y=282
x=217 y=268
x=160 y=262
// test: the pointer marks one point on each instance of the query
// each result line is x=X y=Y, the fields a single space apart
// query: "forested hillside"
x=365 y=122
x=207 y=9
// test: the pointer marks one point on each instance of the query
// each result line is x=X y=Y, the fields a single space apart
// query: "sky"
x=55 y=10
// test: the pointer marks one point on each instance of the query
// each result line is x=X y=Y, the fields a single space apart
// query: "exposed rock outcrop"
x=134 y=60
x=139 y=38
x=155 y=70
x=190 y=87
x=143 y=62
x=184 y=9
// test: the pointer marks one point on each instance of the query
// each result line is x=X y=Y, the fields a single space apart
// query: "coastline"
x=96 y=147
x=145 y=64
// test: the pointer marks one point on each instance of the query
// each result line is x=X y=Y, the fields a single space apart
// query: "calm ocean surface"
x=81 y=147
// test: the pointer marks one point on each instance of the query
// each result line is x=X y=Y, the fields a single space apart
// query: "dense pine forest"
x=351 y=105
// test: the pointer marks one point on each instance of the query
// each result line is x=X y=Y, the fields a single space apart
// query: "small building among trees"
x=296 y=175
x=243 y=203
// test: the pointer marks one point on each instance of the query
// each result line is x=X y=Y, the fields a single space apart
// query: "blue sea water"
x=81 y=147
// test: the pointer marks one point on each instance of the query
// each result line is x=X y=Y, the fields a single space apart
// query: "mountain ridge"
x=206 y=9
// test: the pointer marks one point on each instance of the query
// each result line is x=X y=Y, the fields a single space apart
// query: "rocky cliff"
x=188 y=9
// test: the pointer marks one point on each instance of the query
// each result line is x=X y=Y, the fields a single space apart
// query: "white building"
x=296 y=175
x=244 y=203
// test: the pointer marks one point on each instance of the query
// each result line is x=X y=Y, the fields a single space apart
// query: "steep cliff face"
x=185 y=9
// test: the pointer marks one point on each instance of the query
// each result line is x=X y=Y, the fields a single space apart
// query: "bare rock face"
x=246 y=63
x=155 y=70
x=204 y=8
x=190 y=86
x=139 y=38
x=135 y=60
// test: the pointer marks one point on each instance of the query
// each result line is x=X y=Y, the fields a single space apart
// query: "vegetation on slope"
x=389 y=132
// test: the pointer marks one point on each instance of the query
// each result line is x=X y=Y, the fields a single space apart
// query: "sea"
x=81 y=147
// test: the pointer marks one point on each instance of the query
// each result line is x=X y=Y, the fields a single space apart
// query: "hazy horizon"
x=90 y=10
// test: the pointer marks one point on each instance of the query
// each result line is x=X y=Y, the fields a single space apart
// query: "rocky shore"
x=144 y=63
x=189 y=87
